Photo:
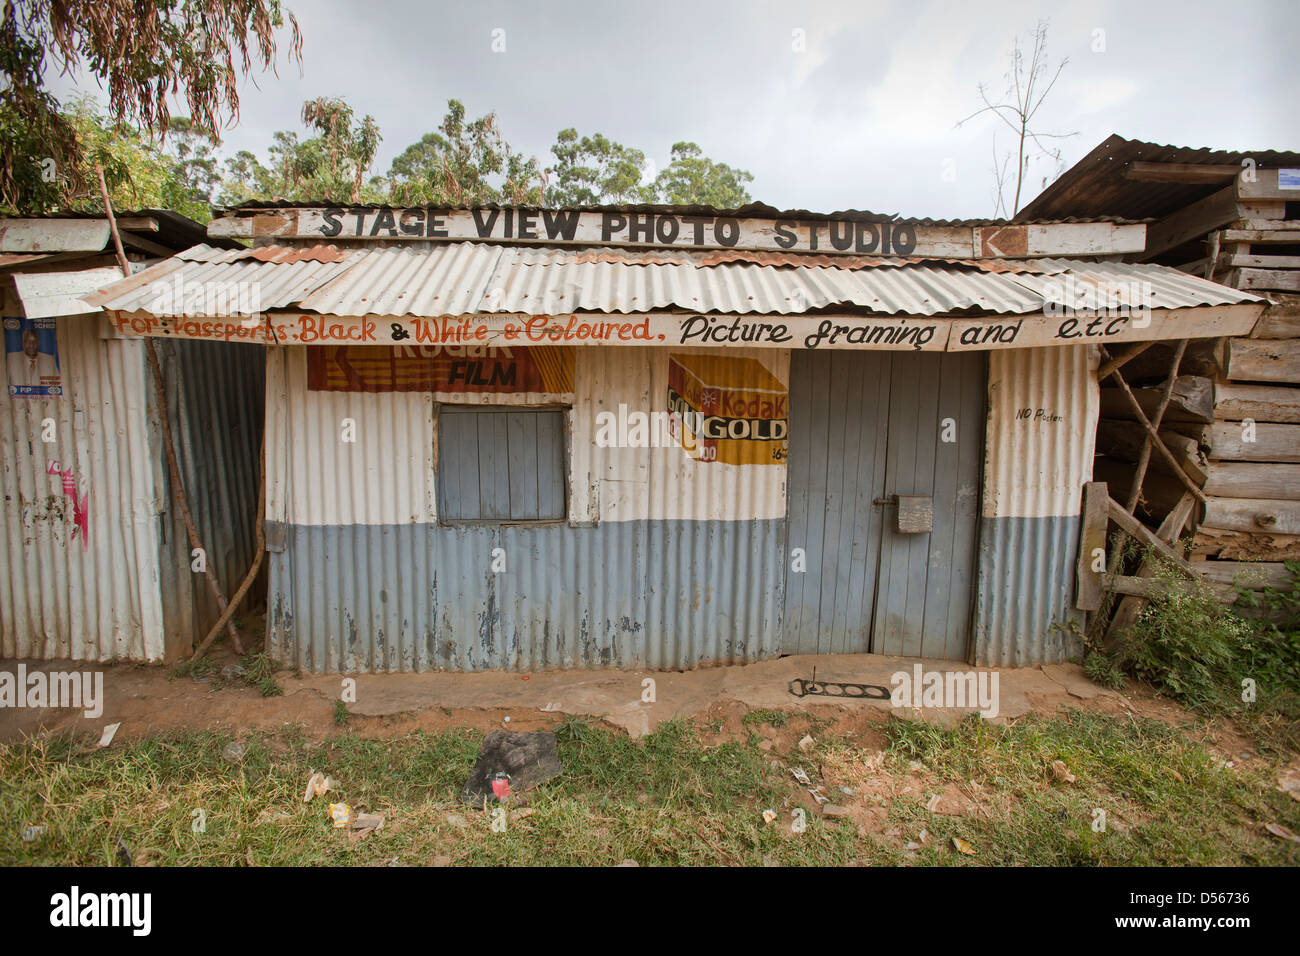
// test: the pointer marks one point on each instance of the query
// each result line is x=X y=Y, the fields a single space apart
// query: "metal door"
x=864 y=428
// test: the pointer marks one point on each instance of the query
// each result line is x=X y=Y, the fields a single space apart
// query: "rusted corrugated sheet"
x=461 y=278
x=1097 y=184
x=92 y=595
x=194 y=281
x=1035 y=467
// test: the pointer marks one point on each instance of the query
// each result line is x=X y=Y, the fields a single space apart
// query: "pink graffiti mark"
x=80 y=514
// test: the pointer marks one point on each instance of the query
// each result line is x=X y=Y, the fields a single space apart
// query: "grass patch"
x=1212 y=659
x=665 y=799
x=1167 y=801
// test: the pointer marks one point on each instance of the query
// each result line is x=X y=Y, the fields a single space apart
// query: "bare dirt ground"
x=149 y=699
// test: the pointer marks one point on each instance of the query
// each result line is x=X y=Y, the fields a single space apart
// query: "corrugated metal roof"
x=206 y=276
x=462 y=278
x=47 y=294
x=1096 y=185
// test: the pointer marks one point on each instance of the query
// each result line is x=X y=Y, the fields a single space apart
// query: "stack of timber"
x=1232 y=426
x=1252 y=509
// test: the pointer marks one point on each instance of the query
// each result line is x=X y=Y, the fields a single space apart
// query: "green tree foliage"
x=692 y=178
x=463 y=163
x=594 y=170
x=142 y=52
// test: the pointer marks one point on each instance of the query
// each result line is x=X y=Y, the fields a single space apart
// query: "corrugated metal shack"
x=666 y=436
x=94 y=560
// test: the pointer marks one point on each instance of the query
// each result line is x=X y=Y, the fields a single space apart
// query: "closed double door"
x=866 y=428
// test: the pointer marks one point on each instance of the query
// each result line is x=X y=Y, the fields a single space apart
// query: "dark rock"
x=527 y=759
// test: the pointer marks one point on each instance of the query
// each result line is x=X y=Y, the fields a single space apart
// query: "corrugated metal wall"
x=216 y=393
x=1042 y=426
x=94 y=597
x=665 y=561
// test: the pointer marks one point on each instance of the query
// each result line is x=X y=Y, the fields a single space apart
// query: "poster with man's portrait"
x=32 y=358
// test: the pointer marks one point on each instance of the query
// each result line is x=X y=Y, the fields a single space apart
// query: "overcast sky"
x=863 y=117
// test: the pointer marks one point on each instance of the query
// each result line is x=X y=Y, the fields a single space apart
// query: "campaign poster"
x=32 y=358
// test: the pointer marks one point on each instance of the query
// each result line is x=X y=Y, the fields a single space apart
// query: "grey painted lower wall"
x=656 y=594
x=1024 y=601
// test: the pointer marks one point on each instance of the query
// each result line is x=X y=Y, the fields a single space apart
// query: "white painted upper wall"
x=388 y=475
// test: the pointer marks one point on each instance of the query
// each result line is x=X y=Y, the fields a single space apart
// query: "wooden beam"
x=145 y=245
x=1280 y=320
x=1088 y=580
x=1191 y=222
x=1263 y=360
x=1253 y=479
x=1231 y=545
x=1191 y=174
x=1253 y=514
x=1270 y=280
x=1264 y=236
x=1255 y=575
x=1151 y=587
x=1265 y=186
x=1263 y=403
x=1136 y=529
x=1192 y=400
x=138 y=224
x=1269 y=442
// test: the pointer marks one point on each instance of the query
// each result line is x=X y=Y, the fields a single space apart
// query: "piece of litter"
x=106 y=737
x=339 y=813
x=799 y=775
x=1061 y=772
x=368 y=821
x=847 y=791
x=501 y=785
x=507 y=718
x=550 y=708
x=30 y=834
x=233 y=751
x=831 y=810
x=806 y=743
x=769 y=816
x=1280 y=831
x=933 y=804
x=962 y=846
x=911 y=846
x=318 y=785
x=270 y=816
x=818 y=795
x=123 y=853
x=233 y=671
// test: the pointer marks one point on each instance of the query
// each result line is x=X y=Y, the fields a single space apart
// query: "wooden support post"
x=1144 y=457
x=1155 y=438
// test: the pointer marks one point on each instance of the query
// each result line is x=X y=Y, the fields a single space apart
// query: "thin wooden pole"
x=1144 y=457
x=178 y=489
x=1156 y=442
